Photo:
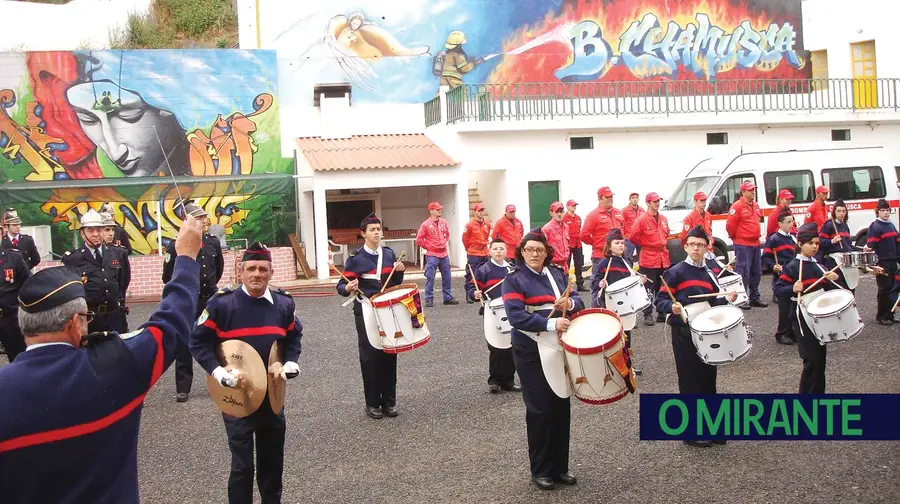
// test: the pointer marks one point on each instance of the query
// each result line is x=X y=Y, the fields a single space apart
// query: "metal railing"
x=530 y=101
x=433 y=111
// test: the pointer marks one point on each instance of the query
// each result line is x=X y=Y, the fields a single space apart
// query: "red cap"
x=478 y=206
x=604 y=191
x=571 y=202
x=633 y=194
x=555 y=206
x=434 y=205
x=652 y=196
x=822 y=190
x=748 y=186
x=785 y=194
x=699 y=196
x=510 y=208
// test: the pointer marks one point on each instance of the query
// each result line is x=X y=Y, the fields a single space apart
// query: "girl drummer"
x=535 y=305
x=614 y=266
x=834 y=235
x=789 y=287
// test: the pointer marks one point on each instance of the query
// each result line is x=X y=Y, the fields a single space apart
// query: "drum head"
x=247 y=397
x=592 y=330
x=496 y=303
x=830 y=302
x=395 y=292
x=731 y=279
x=695 y=309
x=717 y=318
x=276 y=383
x=623 y=284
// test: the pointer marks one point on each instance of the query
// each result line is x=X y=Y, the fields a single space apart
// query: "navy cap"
x=370 y=219
x=807 y=232
x=257 y=252
x=50 y=288
x=698 y=232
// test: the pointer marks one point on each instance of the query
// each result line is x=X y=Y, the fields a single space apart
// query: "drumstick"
x=492 y=287
x=565 y=295
x=726 y=266
x=608 y=264
x=821 y=278
x=672 y=297
x=895 y=304
x=714 y=294
x=393 y=268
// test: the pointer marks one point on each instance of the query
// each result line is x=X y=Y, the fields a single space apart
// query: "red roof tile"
x=362 y=152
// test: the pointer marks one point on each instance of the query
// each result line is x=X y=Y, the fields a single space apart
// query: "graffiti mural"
x=403 y=51
x=132 y=119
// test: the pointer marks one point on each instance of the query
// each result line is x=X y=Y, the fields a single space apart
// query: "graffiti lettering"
x=27 y=143
x=229 y=148
x=591 y=54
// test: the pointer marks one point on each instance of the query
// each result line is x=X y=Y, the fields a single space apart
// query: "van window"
x=866 y=182
x=800 y=183
x=728 y=193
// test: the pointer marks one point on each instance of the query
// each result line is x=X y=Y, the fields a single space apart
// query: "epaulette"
x=222 y=292
x=279 y=290
x=68 y=252
x=351 y=254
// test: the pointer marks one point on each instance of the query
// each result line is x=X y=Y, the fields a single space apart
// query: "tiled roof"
x=362 y=152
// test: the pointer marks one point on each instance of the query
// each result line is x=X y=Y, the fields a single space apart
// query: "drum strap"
x=621 y=362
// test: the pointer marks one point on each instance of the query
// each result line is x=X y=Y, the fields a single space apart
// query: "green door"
x=540 y=195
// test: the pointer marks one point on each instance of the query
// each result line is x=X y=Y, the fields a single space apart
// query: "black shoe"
x=181 y=397
x=697 y=443
x=451 y=301
x=582 y=289
x=648 y=320
x=886 y=322
x=512 y=387
x=745 y=307
x=374 y=412
x=429 y=303
x=543 y=482
x=784 y=340
x=720 y=441
x=389 y=411
x=495 y=387
x=759 y=304
x=469 y=300
x=566 y=479
x=660 y=317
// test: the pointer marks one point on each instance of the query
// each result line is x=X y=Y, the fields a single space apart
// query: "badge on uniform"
x=167 y=256
x=84 y=279
x=131 y=334
x=733 y=211
x=10 y=275
x=115 y=262
x=203 y=317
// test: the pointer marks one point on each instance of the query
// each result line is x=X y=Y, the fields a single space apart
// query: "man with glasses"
x=100 y=270
x=72 y=401
x=15 y=272
x=743 y=229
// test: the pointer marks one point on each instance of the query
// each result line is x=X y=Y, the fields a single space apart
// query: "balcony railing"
x=535 y=101
x=433 y=111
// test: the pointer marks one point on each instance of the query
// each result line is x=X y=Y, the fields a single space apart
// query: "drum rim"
x=597 y=349
x=597 y=402
x=406 y=348
x=393 y=301
x=851 y=300
x=727 y=280
x=726 y=328
x=632 y=281
x=848 y=338
x=739 y=357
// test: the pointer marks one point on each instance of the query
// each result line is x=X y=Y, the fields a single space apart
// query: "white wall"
x=404 y=207
x=833 y=26
x=79 y=24
x=491 y=187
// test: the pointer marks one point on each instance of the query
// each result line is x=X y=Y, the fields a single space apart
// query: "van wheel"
x=861 y=239
x=720 y=251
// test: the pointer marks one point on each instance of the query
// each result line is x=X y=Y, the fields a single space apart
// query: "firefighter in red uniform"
x=475 y=239
x=558 y=236
x=573 y=222
x=698 y=217
x=509 y=229
x=598 y=223
x=743 y=229
x=630 y=213
x=817 y=212
x=651 y=233
x=784 y=202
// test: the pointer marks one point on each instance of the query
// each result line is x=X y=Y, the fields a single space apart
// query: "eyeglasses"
x=88 y=316
x=695 y=245
x=534 y=250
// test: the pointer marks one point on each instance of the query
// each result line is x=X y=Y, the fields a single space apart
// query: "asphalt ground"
x=456 y=442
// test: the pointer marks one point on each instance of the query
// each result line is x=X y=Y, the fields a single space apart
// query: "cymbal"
x=243 y=400
x=276 y=383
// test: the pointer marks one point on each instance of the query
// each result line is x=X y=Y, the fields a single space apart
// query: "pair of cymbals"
x=254 y=382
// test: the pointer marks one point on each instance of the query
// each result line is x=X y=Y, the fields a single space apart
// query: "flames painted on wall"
x=402 y=54
x=132 y=119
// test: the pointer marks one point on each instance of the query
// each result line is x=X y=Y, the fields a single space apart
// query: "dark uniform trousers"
x=270 y=433
x=694 y=375
x=653 y=284
x=577 y=256
x=885 y=283
x=10 y=334
x=547 y=416
x=784 y=320
x=379 y=369
x=501 y=368
x=812 y=378
x=184 y=361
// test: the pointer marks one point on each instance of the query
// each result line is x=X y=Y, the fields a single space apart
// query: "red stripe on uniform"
x=784 y=247
x=350 y=274
x=160 y=354
x=620 y=270
x=693 y=283
x=537 y=300
x=513 y=295
x=210 y=324
x=786 y=279
x=293 y=323
x=252 y=331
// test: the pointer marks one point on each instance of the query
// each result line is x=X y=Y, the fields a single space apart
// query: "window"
x=819 y=60
x=865 y=86
x=840 y=135
x=854 y=183
x=800 y=183
x=728 y=194
x=578 y=143
x=716 y=138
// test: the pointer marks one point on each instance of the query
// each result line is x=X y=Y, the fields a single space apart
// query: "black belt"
x=102 y=308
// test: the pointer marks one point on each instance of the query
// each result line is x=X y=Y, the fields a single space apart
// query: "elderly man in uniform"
x=15 y=273
x=260 y=317
x=212 y=266
x=120 y=236
x=101 y=271
x=433 y=236
x=743 y=229
x=77 y=399
x=109 y=233
x=14 y=239
x=509 y=229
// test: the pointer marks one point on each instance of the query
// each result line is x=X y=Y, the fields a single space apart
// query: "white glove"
x=291 y=369
x=225 y=377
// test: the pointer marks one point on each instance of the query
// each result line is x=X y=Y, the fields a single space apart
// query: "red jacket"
x=511 y=232
x=597 y=224
x=772 y=223
x=574 y=224
x=476 y=237
x=816 y=213
x=651 y=234
x=695 y=219
x=630 y=215
x=433 y=236
x=557 y=234
x=743 y=223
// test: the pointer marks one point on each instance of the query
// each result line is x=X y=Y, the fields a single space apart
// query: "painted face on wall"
x=125 y=127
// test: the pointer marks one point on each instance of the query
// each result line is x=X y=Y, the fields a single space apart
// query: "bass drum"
x=497 y=329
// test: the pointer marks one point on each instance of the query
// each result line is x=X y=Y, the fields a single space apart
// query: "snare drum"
x=401 y=319
x=832 y=316
x=861 y=259
x=497 y=329
x=627 y=296
x=598 y=362
x=721 y=335
x=734 y=283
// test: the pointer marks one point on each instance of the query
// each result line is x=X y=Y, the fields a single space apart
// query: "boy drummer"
x=780 y=249
x=501 y=367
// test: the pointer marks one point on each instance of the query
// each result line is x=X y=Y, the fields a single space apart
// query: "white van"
x=858 y=175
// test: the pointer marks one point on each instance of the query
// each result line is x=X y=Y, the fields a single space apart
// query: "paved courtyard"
x=456 y=442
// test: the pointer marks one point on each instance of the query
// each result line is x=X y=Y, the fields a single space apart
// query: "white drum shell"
x=497 y=329
x=602 y=385
x=369 y=318
x=734 y=283
x=721 y=335
x=627 y=296
x=832 y=316
x=396 y=318
x=553 y=363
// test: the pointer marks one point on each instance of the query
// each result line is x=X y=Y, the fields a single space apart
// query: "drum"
x=860 y=259
x=553 y=363
x=373 y=332
x=734 y=283
x=832 y=316
x=721 y=335
x=850 y=272
x=400 y=317
x=598 y=362
x=627 y=296
x=497 y=329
